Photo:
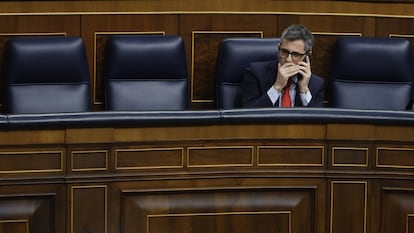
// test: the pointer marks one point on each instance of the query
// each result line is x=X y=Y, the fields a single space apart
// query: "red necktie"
x=286 y=101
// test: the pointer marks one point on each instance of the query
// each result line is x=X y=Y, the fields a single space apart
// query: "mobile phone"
x=304 y=60
x=307 y=56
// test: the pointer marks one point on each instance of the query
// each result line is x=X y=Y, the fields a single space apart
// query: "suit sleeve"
x=253 y=96
x=318 y=93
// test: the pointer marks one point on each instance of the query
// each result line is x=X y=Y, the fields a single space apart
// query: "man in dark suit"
x=288 y=81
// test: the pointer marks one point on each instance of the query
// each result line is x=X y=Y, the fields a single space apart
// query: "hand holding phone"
x=304 y=74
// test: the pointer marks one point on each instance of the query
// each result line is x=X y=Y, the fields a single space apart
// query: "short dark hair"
x=298 y=32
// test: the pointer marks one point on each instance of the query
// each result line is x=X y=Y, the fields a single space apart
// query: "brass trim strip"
x=105 y=187
x=292 y=147
x=35 y=34
x=220 y=147
x=149 y=149
x=89 y=169
x=338 y=33
x=401 y=35
x=346 y=164
x=192 y=58
x=407 y=229
x=365 y=183
x=203 y=189
x=13 y=220
x=81 y=13
x=95 y=50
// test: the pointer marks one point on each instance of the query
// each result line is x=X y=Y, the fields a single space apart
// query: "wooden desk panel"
x=150 y=179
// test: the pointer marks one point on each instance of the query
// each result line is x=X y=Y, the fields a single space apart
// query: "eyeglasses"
x=284 y=53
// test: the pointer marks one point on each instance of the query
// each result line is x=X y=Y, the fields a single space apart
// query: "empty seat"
x=234 y=55
x=146 y=72
x=46 y=75
x=371 y=73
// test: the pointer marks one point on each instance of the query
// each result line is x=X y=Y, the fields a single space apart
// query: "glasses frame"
x=296 y=56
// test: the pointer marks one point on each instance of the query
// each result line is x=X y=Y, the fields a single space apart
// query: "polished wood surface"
x=317 y=178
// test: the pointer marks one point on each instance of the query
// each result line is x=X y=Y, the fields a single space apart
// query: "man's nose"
x=289 y=58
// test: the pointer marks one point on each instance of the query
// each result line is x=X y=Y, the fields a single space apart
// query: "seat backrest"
x=371 y=73
x=234 y=55
x=46 y=75
x=146 y=72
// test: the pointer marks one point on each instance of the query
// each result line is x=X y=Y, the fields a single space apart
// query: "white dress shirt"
x=274 y=94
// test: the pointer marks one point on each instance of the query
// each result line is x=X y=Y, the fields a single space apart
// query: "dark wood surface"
x=295 y=178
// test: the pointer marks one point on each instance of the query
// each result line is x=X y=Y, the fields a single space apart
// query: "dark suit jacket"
x=260 y=76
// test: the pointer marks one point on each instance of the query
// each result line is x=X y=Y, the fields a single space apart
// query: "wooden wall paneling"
x=387 y=26
x=291 y=156
x=114 y=208
x=32 y=208
x=374 y=205
x=316 y=7
x=218 y=206
x=88 y=206
x=40 y=24
x=88 y=160
x=203 y=34
x=30 y=161
x=97 y=28
x=217 y=132
x=351 y=132
x=348 y=207
x=397 y=157
x=36 y=161
x=148 y=158
x=397 y=207
x=32 y=137
x=91 y=135
x=331 y=24
x=17 y=226
x=220 y=156
x=31 y=26
x=394 y=134
x=350 y=155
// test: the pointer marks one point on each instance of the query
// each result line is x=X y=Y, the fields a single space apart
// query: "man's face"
x=291 y=51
